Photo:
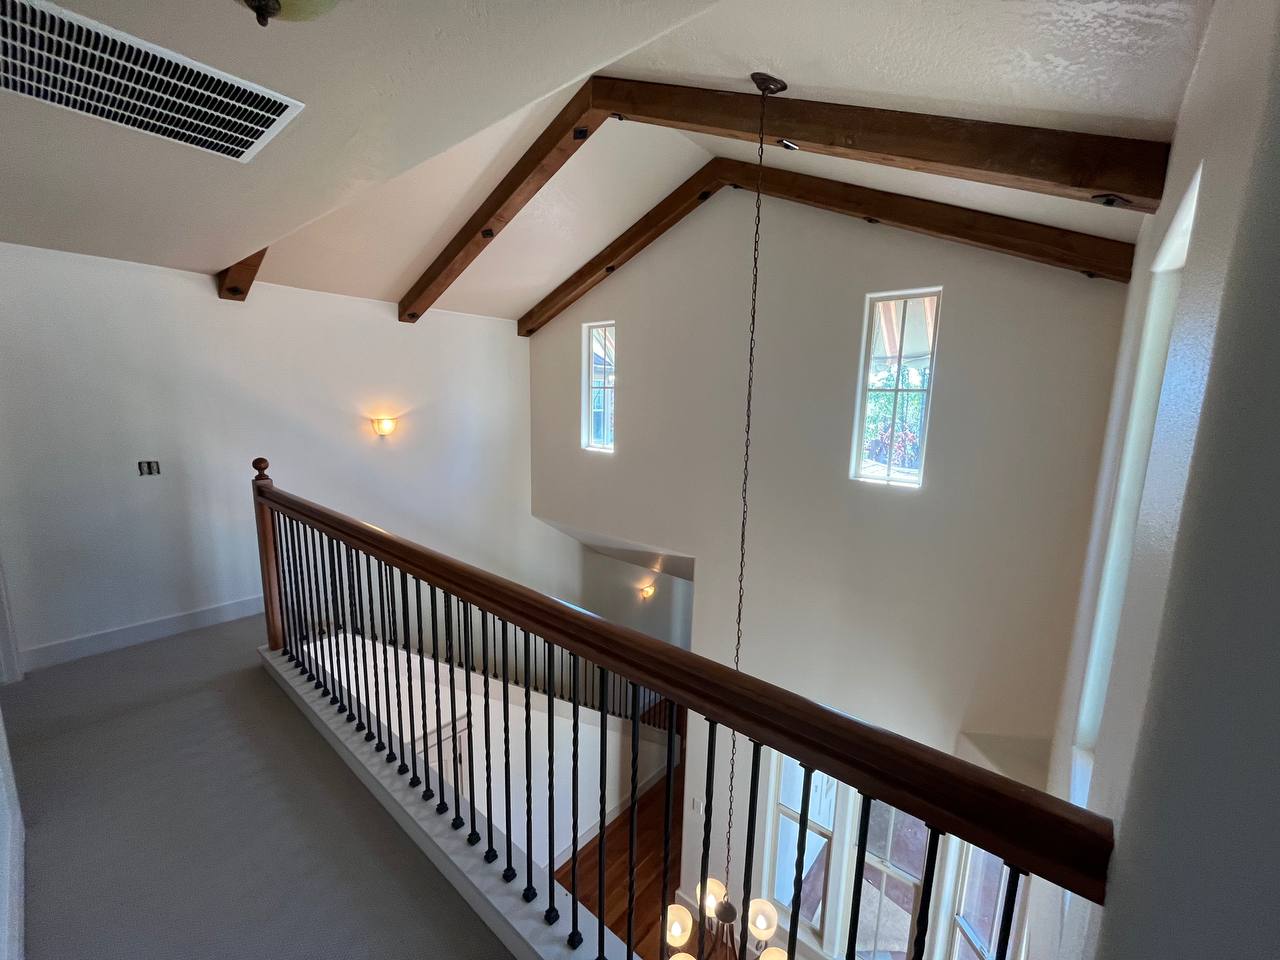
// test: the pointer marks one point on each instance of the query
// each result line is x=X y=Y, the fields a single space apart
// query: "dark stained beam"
x=554 y=146
x=1061 y=163
x=670 y=211
x=235 y=281
x=1094 y=256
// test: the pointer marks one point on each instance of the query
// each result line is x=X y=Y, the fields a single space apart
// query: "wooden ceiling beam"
x=234 y=282
x=673 y=208
x=1094 y=256
x=1082 y=166
x=569 y=130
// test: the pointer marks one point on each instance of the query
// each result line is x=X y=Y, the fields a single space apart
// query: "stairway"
x=648 y=898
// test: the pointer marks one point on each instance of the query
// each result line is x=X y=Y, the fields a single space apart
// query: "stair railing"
x=346 y=602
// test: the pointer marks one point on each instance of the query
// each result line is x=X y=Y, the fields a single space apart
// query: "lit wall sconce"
x=384 y=426
x=648 y=590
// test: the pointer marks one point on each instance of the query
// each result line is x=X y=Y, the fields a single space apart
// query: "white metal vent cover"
x=79 y=64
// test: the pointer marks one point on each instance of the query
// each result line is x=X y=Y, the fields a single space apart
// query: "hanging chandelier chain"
x=746 y=472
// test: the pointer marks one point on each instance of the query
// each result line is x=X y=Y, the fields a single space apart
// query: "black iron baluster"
x=321 y=645
x=386 y=639
x=530 y=891
x=314 y=670
x=286 y=644
x=575 y=935
x=286 y=597
x=341 y=680
x=860 y=860
x=307 y=662
x=442 y=805
x=427 y=792
x=1006 y=913
x=322 y=604
x=667 y=816
x=551 y=915
x=631 y=846
x=704 y=870
x=365 y=723
x=468 y=656
x=357 y=640
x=798 y=885
x=343 y=592
x=509 y=873
x=490 y=853
x=394 y=641
x=926 y=895
x=601 y=833
x=377 y=642
x=748 y=859
x=457 y=823
x=411 y=747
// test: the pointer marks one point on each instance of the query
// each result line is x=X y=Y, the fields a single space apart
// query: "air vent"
x=75 y=63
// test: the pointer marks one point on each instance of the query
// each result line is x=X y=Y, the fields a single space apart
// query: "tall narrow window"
x=598 y=384
x=897 y=379
x=822 y=823
x=980 y=902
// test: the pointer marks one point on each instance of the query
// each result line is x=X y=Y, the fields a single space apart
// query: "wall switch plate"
x=148 y=468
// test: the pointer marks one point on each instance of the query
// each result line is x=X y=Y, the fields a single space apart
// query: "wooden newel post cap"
x=260 y=464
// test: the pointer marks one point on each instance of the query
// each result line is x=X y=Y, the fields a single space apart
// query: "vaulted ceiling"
x=412 y=119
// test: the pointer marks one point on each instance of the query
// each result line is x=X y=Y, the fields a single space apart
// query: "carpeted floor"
x=178 y=806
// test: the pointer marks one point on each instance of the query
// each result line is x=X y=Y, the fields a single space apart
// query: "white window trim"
x=834 y=938
x=584 y=397
x=860 y=399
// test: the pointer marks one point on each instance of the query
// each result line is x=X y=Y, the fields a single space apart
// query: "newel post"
x=267 y=558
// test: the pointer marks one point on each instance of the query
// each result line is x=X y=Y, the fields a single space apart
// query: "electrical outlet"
x=148 y=468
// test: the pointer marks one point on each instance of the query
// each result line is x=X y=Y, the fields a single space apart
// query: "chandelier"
x=761 y=921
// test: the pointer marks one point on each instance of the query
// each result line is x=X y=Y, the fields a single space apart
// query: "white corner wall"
x=930 y=611
x=1219 y=128
x=105 y=363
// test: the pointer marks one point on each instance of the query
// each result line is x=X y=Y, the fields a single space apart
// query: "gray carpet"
x=178 y=805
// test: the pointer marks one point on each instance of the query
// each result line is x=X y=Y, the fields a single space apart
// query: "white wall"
x=611 y=589
x=1218 y=127
x=929 y=612
x=13 y=839
x=104 y=363
x=926 y=611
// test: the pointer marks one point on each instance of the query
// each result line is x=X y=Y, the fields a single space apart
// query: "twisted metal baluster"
x=411 y=748
x=427 y=792
x=457 y=823
x=468 y=658
x=490 y=854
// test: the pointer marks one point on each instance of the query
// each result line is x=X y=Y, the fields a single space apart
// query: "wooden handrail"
x=1032 y=830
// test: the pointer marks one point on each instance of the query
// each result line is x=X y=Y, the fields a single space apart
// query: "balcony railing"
x=383 y=627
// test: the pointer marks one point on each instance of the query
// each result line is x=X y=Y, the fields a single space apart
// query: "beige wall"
x=927 y=611
x=104 y=363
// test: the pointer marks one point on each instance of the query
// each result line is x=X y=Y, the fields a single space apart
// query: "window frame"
x=864 y=389
x=586 y=436
x=959 y=928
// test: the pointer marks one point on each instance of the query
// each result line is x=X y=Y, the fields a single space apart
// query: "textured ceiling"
x=378 y=245
x=386 y=84
x=1102 y=66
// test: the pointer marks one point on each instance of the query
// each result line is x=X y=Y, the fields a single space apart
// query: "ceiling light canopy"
x=268 y=10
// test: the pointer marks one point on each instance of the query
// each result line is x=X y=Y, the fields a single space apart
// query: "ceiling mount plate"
x=767 y=83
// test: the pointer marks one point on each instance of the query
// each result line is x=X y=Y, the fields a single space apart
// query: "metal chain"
x=746 y=474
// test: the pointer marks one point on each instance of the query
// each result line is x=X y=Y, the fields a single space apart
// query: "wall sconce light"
x=648 y=590
x=384 y=426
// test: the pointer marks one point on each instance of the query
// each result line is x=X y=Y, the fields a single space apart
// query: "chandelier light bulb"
x=762 y=919
x=770 y=953
x=679 y=925
x=715 y=893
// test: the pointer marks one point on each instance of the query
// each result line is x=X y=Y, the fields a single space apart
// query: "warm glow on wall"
x=648 y=590
x=384 y=426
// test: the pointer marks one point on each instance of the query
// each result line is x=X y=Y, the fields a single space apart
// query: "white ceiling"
x=1102 y=66
x=403 y=133
x=378 y=245
x=386 y=83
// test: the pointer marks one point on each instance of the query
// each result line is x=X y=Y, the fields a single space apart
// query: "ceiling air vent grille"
x=73 y=62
